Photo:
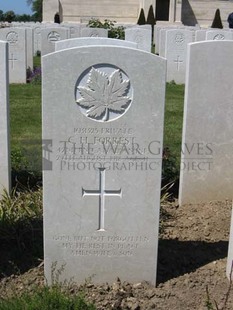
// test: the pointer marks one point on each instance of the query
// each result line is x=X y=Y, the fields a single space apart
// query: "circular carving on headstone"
x=179 y=38
x=37 y=30
x=94 y=34
x=54 y=36
x=138 y=38
x=12 y=37
x=219 y=37
x=103 y=93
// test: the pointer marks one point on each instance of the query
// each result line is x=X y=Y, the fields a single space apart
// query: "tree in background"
x=9 y=16
x=217 y=22
x=36 y=6
x=151 y=17
x=151 y=21
x=141 y=18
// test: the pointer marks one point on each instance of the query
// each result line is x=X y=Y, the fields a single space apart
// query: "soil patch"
x=192 y=256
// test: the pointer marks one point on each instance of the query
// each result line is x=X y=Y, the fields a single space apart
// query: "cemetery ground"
x=192 y=245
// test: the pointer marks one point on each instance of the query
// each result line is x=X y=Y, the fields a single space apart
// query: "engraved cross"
x=101 y=193
x=178 y=62
x=12 y=60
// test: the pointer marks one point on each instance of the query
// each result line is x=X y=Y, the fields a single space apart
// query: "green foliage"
x=173 y=121
x=170 y=170
x=21 y=224
x=113 y=31
x=47 y=298
x=9 y=16
x=37 y=60
x=36 y=6
x=18 y=161
x=25 y=116
x=34 y=75
x=142 y=18
x=217 y=22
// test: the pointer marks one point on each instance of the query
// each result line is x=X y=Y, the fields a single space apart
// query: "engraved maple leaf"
x=104 y=94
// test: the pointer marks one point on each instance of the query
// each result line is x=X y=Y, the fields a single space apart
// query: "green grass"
x=46 y=298
x=174 y=119
x=36 y=61
x=25 y=120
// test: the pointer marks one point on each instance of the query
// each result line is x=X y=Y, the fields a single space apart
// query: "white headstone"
x=206 y=160
x=99 y=222
x=200 y=35
x=94 y=32
x=229 y=270
x=29 y=47
x=140 y=36
x=162 y=42
x=37 y=38
x=218 y=35
x=16 y=37
x=64 y=44
x=175 y=53
x=5 y=170
x=51 y=35
x=74 y=29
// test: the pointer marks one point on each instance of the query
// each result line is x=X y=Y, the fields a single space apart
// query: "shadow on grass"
x=175 y=258
x=26 y=179
x=21 y=247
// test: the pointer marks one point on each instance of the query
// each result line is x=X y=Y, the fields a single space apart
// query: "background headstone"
x=77 y=42
x=140 y=36
x=5 y=169
x=218 y=35
x=175 y=53
x=16 y=37
x=37 y=38
x=230 y=251
x=51 y=35
x=94 y=32
x=29 y=47
x=200 y=35
x=99 y=222
x=207 y=149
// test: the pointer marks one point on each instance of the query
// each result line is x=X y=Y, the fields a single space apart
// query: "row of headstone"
x=172 y=44
x=104 y=145
x=95 y=219
x=25 y=42
x=206 y=171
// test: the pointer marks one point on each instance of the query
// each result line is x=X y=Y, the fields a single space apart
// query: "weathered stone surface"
x=175 y=52
x=96 y=144
x=77 y=42
x=16 y=37
x=206 y=160
x=94 y=32
x=51 y=35
x=141 y=36
x=5 y=170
